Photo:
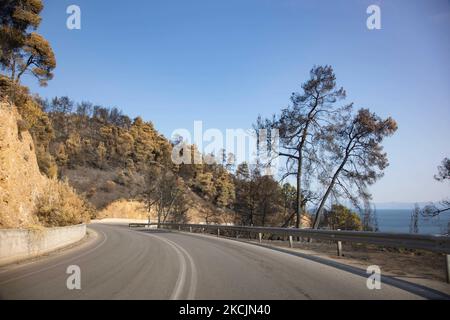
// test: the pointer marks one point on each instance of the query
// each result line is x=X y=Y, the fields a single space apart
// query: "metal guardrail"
x=438 y=244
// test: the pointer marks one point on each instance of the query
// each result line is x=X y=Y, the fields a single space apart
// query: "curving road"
x=129 y=264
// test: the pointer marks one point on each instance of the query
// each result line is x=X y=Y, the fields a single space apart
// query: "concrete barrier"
x=16 y=244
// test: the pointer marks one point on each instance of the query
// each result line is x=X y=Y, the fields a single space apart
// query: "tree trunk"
x=286 y=223
x=299 y=192
x=13 y=71
x=159 y=220
x=325 y=197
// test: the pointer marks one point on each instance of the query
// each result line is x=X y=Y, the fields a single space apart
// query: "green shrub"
x=340 y=217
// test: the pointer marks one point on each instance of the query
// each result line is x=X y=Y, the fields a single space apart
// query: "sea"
x=398 y=221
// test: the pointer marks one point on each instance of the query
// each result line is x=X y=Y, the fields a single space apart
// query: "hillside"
x=113 y=166
x=109 y=189
x=111 y=160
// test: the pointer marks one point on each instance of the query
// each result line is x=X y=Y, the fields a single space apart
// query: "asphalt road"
x=129 y=264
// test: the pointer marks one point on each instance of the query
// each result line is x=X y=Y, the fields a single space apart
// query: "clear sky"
x=226 y=61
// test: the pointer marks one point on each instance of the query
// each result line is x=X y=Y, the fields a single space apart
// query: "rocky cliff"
x=20 y=179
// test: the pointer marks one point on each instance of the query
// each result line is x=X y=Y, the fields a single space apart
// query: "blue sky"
x=225 y=62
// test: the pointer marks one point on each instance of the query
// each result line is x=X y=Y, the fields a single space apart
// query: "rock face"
x=20 y=179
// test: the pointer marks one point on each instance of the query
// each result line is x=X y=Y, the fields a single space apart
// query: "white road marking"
x=182 y=276
x=193 y=282
x=181 y=280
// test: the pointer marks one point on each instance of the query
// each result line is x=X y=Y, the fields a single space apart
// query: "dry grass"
x=59 y=205
x=126 y=209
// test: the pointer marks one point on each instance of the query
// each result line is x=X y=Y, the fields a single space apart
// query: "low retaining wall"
x=18 y=244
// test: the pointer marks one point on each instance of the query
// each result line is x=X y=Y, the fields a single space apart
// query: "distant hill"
x=398 y=205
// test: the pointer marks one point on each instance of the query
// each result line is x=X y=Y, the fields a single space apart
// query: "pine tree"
x=23 y=51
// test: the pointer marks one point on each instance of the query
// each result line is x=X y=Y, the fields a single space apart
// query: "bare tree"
x=354 y=147
x=164 y=193
x=414 y=224
x=369 y=217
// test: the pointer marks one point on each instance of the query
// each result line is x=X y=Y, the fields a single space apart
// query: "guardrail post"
x=291 y=242
x=260 y=237
x=339 y=247
x=218 y=232
x=447 y=266
x=190 y=229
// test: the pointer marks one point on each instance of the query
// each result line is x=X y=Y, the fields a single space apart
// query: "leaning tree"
x=355 y=155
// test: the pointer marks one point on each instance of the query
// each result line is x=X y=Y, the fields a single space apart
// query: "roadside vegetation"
x=60 y=205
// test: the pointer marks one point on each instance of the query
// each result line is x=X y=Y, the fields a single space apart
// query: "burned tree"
x=164 y=193
x=299 y=123
x=433 y=210
x=354 y=148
